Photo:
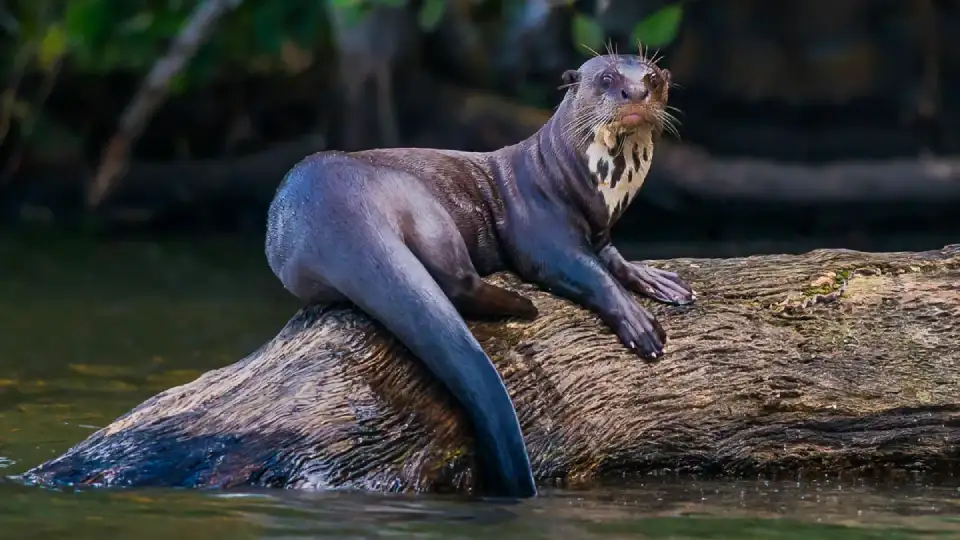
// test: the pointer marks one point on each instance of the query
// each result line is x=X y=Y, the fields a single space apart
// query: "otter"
x=407 y=235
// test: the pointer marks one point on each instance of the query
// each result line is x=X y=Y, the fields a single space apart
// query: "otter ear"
x=570 y=77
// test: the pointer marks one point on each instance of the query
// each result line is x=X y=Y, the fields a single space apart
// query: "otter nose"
x=634 y=92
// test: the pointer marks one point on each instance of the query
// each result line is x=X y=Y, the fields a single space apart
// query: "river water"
x=89 y=329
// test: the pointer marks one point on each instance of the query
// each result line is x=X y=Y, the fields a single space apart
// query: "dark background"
x=805 y=124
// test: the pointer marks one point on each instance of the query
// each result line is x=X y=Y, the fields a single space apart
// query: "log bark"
x=829 y=362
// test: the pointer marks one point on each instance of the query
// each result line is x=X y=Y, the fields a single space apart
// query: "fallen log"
x=833 y=362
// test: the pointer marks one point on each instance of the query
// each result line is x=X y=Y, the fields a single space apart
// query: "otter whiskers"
x=669 y=122
x=583 y=126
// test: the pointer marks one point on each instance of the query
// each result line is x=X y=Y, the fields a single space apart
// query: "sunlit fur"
x=618 y=156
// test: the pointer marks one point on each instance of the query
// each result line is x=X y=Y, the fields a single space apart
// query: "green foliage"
x=587 y=32
x=656 y=30
x=101 y=36
x=660 y=28
x=430 y=13
x=108 y=36
x=52 y=46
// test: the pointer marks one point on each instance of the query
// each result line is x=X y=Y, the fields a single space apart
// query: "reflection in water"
x=88 y=330
x=662 y=509
x=674 y=508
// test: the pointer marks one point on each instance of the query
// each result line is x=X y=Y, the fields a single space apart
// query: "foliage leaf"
x=587 y=32
x=141 y=22
x=267 y=25
x=659 y=28
x=84 y=21
x=52 y=46
x=430 y=14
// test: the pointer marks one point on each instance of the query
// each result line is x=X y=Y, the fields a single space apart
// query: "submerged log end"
x=832 y=361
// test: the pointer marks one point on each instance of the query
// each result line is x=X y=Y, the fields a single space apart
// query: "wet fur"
x=407 y=235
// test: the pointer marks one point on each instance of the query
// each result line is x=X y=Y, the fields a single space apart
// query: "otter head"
x=617 y=109
x=623 y=94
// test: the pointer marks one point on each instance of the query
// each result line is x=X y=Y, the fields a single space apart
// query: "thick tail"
x=388 y=282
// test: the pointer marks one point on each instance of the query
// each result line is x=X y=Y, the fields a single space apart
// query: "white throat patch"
x=619 y=175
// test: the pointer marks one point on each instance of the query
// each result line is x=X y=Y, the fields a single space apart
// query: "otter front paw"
x=657 y=284
x=640 y=332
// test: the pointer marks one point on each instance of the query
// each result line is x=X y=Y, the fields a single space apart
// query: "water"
x=90 y=329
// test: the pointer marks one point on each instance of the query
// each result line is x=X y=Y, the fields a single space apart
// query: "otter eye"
x=607 y=79
x=653 y=80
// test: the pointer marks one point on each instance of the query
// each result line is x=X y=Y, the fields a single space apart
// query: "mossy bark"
x=831 y=361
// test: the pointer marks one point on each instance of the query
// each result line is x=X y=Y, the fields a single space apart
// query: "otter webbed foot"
x=639 y=330
x=654 y=283
x=660 y=285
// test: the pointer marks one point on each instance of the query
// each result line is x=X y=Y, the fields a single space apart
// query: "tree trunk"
x=827 y=362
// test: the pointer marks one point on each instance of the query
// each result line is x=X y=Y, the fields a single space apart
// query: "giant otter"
x=406 y=235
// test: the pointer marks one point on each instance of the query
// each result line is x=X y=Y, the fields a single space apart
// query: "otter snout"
x=635 y=93
x=634 y=110
x=635 y=99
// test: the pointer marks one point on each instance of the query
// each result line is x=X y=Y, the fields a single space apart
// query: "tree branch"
x=154 y=89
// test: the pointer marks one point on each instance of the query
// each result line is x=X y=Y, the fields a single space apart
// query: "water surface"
x=89 y=329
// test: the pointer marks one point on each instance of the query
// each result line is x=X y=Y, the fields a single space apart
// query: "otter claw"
x=640 y=332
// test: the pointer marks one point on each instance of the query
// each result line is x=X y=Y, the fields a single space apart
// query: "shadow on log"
x=831 y=361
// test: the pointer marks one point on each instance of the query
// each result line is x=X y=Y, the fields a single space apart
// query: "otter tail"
x=385 y=279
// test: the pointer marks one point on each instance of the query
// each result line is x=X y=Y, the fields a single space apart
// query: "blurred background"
x=816 y=123
x=142 y=140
